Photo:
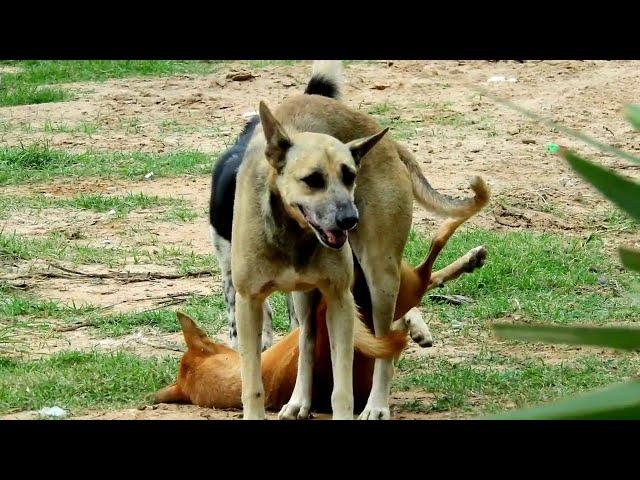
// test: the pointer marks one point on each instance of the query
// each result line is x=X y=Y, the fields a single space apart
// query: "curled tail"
x=368 y=344
x=365 y=342
x=326 y=79
x=437 y=202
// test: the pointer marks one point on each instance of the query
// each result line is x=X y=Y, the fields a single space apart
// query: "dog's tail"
x=365 y=342
x=326 y=79
x=437 y=202
x=368 y=344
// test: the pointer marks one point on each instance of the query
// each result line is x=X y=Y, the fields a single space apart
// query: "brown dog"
x=209 y=373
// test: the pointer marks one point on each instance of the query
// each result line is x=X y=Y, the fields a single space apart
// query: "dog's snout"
x=347 y=220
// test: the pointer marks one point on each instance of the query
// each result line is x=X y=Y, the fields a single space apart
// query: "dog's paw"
x=294 y=411
x=375 y=413
x=477 y=256
x=423 y=339
x=418 y=329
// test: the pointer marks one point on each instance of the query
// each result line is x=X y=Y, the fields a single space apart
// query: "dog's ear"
x=278 y=142
x=361 y=146
x=194 y=337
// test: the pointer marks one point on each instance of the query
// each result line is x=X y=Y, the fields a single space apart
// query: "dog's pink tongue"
x=330 y=236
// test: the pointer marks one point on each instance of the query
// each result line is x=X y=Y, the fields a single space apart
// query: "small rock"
x=457 y=325
x=288 y=83
x=240 y=76
x=528 y=141
x=513 y=131
x=111 y=212
x=154 y=407
x=458 y=144
x=389 y=64
x=602 y=281
x=142 y=407
x=105 y=242
x=475 y=147
x=380 y=87
x=221 y=82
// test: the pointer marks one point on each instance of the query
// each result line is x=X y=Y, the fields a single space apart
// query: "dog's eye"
x=315 y=180
x=348 y=176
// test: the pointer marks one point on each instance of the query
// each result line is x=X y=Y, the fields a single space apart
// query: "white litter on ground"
x=148 y=175
x=502 y=78
x=53 y=412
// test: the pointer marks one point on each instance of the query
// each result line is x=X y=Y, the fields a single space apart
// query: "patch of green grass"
x=491 y=384
x=389 y=115
x=208 y=312
x=38 y=162
x=180 y=213
x=612 y=220
x=87 y=128
x=31 y=94
x=24 y=86
x=56 y=246
x=12 y=306
x=542 y=277
x=121 y=204
x=78 y=381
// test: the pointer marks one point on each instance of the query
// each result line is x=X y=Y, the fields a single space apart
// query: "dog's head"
x=315 y=177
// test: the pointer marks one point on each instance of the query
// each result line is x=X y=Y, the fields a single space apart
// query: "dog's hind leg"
x=302 y=306
x=222 y=249
x=380 y=259
x=473 y=259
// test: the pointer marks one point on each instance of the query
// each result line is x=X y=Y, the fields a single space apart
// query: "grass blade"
x=567 y=131
x=633 y=115
x=617 y=402
x=622 y=338
x=616 y=188
x=630 y=258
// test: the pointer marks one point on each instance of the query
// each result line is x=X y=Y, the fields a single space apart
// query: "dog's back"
x=223 y=181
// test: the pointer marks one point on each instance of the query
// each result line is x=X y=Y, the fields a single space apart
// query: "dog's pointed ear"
x=193 y=335
x=361 y=146
x=278 y=142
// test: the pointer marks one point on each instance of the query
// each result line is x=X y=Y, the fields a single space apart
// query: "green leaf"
x=633 y=115
x=617 y=402
x=573 y=133
x=630 y=258
x=622 y=338
x=621 y=191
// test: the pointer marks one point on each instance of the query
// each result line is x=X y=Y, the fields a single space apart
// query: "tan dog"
x=209 y=373
x=295 y=201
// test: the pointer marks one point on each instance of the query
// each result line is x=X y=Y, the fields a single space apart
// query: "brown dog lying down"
x=209 y=374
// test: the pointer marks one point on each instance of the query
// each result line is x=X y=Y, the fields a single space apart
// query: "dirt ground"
x=531 y=189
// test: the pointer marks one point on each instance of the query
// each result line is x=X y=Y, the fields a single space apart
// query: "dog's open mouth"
x=335 y=238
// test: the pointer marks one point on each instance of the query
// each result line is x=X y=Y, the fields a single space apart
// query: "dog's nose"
x=347 y=222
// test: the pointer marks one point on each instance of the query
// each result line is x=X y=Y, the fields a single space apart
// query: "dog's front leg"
x=341 y=314
x=299 y=406
x=249 y=318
